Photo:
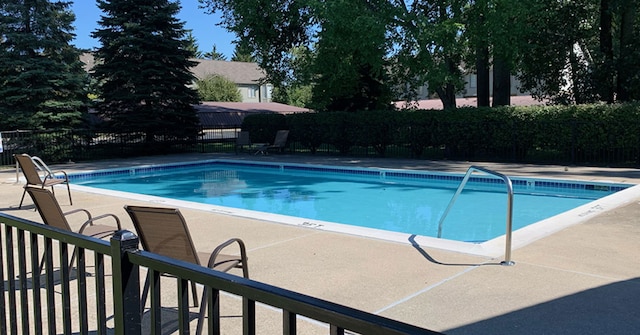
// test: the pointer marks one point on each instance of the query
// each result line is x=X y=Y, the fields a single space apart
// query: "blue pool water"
x=396 y=200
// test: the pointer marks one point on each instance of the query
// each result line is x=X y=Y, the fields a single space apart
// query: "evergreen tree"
x=214 y=54
x=243 y=53
x=193 y=47
x=144 y=69
x=42 y=82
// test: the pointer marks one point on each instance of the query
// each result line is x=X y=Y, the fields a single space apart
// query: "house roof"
x=231 y=114
x=238 y=72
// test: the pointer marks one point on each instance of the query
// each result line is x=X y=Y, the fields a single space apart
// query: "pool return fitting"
x=507 y=253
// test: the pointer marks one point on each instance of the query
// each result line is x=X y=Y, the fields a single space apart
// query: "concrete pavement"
x=582 y=279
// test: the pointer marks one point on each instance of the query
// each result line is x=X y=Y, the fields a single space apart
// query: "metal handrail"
x=507 y=181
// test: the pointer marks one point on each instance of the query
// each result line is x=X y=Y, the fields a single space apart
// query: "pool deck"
x=582 y=279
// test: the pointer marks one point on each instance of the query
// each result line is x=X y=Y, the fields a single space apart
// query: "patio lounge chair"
x=279 y=143
x=31 y=174
x=164 y=231
x=243 y=140
x=52 y=215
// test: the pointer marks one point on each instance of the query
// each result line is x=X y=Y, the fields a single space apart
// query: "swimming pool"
x=402 y=201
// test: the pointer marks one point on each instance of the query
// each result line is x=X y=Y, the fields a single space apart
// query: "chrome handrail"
x=507 y=181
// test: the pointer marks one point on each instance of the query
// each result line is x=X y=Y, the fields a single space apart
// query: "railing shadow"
x=428 y=257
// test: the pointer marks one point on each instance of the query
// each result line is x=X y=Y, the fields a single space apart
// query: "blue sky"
x=203 y=26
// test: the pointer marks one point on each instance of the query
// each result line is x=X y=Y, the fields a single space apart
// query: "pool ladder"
x=507 y=181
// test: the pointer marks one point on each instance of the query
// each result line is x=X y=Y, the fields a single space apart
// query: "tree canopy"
x=42 y=81
x=218 y=88
x=144 y=69
x=567 y=51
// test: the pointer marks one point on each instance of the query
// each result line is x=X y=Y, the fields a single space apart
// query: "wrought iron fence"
x=108 y=300
x=488 y=141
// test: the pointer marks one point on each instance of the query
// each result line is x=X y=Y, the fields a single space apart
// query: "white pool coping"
x=493 y=248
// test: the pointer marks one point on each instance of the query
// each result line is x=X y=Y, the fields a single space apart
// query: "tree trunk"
x=606 y=47
x=447 y=95
x=501 y=83
x=626 y=51
x=482 y=79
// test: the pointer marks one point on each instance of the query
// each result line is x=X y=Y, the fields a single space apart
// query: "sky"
x=203 y=26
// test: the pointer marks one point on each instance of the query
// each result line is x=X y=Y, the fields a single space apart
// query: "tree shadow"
x=608 y=309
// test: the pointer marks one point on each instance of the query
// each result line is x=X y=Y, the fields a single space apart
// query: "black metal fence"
x=63 y=300
x=496 y=142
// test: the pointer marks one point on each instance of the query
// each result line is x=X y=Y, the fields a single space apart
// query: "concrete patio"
x=583 y=279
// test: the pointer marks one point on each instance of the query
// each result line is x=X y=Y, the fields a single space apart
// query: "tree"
x=272 y=31
x=279 y=28
x=430 y=47
x=350 y=62
x=218 y=88
x=42 y=82
x=145 y=69
x=243 y=53
x=192 y=46
x=214 y=54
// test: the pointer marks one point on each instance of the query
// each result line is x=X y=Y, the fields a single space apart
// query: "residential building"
x=247 y=76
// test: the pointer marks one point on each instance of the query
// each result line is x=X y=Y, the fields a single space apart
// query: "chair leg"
x=73 y=257
x=203 y=309
x=145 y=293
x=69 y=191
x=22 y=199
x=194 y=294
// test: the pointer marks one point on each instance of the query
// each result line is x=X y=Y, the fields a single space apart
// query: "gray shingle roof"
x=238 y=72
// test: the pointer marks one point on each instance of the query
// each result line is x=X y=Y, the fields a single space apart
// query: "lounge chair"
x=31 y=174
x=164 y=231
x=279 y=143
x=52 y=215
x=243 y=140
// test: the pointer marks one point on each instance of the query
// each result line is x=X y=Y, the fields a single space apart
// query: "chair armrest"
x=52 y=175
x=91 y=220
x=77 y=211
x=219 y=248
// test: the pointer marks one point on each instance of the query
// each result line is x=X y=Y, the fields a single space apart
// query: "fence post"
x=126 y=284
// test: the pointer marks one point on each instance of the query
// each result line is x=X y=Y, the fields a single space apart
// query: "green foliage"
x=351 y=58
x=590 y=132
x=243 y=53
x=218 y=88
x=263 y=127
x=192 y=46
x=214 y=54
x=144 y=69
x=42 y=82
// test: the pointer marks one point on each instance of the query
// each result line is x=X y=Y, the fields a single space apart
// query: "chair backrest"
x=243 y=138
x=48 y=207
x=281 y=138
x=163 y=231
x=29 y=169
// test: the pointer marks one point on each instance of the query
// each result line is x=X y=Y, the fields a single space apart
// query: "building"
x=247 y=76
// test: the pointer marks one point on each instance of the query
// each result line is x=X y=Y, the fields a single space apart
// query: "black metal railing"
x=491 y=141
x=26 y=311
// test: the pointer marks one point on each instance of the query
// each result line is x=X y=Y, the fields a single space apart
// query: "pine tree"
x=42 y=81
x=144 y=69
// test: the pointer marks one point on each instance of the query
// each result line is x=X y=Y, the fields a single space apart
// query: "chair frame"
x=31 y=174
x=279 y=143
x=216 y=260
x=52 y=215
